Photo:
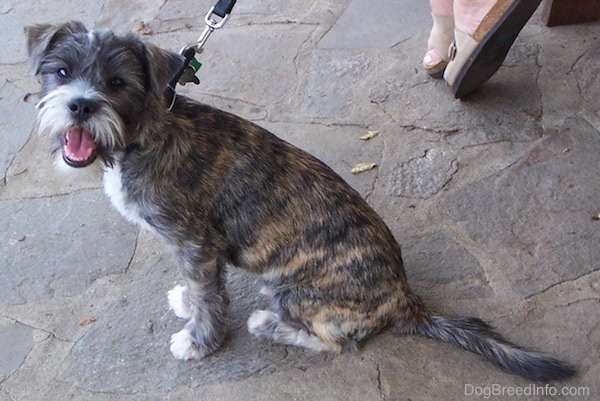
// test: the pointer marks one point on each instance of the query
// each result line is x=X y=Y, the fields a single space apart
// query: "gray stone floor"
x=495 y=199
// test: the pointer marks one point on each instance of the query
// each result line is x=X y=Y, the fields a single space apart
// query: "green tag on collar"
x=195 y=64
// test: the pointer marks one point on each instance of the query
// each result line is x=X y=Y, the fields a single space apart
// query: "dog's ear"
x=162 y=67
x=42 y=37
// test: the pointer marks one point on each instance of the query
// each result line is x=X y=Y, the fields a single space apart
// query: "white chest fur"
x=113 y=187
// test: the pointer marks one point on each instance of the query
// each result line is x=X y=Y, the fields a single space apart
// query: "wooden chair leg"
x=563 y=12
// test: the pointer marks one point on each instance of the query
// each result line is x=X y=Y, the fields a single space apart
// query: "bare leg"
x=468 y=14
x=441 y=7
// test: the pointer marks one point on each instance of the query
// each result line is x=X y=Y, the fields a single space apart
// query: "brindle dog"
x=223 y=191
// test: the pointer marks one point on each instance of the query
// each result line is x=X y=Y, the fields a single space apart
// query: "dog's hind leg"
x=205 y=303
x=269 y=325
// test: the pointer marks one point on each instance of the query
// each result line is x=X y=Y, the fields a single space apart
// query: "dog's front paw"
x=179 y=302
x=183 y=346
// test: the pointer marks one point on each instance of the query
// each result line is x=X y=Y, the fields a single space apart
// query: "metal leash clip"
x=216 y=17
x=191 y=66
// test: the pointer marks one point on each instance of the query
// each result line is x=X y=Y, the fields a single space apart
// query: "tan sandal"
x=440 y=39
x=474 y=59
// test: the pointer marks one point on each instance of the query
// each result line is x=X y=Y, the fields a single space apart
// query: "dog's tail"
x=477 y=336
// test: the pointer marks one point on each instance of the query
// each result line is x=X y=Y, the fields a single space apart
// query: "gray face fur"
x=96 y=87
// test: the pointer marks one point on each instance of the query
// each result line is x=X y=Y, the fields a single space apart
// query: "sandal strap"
x=442 y=34
x=459 y=52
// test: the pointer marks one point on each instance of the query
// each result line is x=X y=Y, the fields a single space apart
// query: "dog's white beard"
x=91 y=173
x=55 y=119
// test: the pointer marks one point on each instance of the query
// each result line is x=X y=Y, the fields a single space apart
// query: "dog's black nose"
x=82 y=108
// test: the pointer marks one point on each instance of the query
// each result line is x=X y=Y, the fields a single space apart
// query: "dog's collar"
x=186 y=74
x=170 y=96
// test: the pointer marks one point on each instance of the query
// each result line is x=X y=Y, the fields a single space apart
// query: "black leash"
x=222 y=10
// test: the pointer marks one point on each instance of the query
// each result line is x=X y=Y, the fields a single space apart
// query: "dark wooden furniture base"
x=563 y=12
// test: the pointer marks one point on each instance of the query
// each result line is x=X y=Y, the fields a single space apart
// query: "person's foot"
x=433 y=63
x=431 y=59
x=469 y=13
x=484 y=32
x=442 y=35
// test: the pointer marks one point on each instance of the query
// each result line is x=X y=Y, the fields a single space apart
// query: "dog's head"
x=97 y=88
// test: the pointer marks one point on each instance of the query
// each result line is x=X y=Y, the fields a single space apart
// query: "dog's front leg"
x=204 y=302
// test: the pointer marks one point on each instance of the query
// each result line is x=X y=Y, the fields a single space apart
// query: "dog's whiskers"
x=54 y=119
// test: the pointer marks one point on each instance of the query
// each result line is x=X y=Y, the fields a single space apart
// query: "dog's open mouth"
x=79 y=149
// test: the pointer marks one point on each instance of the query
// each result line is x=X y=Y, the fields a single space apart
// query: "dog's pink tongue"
x=80 y=144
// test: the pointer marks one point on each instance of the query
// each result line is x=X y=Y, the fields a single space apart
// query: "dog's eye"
x=116 y=82
x=63 y=73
